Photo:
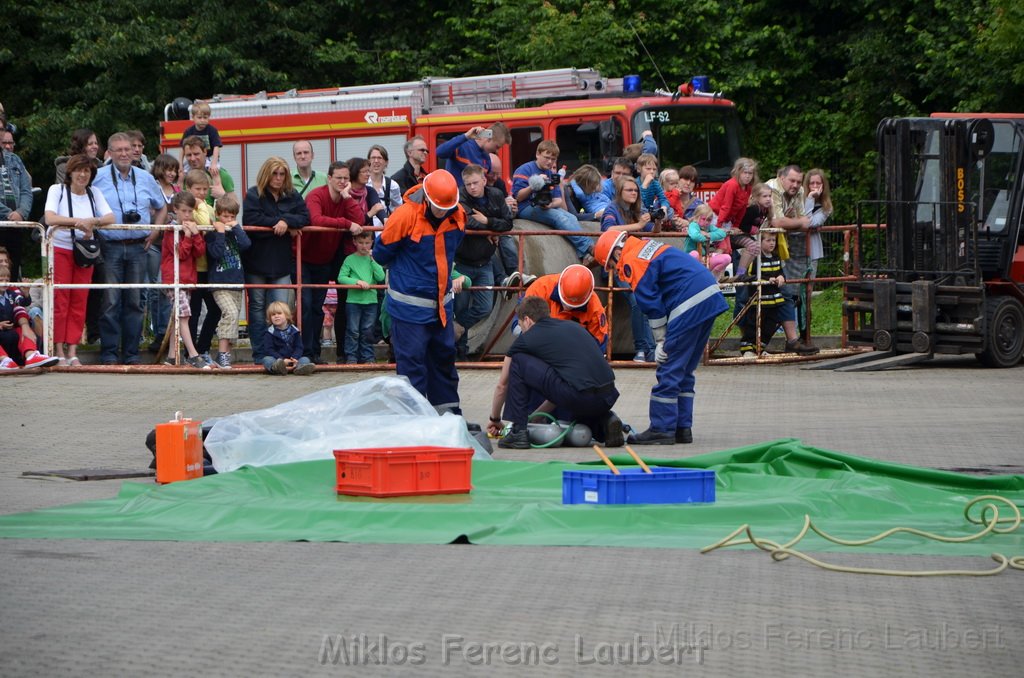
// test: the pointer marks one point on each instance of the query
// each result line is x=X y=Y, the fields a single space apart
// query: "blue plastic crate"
x=633 y=486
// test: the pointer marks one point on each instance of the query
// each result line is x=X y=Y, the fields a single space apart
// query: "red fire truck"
x=590 y=117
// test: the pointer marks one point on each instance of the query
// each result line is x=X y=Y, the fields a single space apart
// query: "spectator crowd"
x=369 y=276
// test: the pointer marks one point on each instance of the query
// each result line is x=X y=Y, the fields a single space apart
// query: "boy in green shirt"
x=359 y=269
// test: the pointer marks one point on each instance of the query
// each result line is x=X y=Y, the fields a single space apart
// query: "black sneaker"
x=652 y=437
x=516 y=440
x=684 y=436
x=613 y=436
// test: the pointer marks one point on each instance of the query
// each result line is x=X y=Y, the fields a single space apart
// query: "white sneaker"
x=639 y=357
x=8 y=365
x=749 y=354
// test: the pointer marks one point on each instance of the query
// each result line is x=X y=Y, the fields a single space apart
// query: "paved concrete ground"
x=162 y=608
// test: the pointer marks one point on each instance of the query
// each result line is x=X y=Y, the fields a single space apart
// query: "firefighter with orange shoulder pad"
x=570 y=296
x=418 y=245
x=681 y=299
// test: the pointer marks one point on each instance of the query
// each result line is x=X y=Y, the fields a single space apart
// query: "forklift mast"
x=952 y=198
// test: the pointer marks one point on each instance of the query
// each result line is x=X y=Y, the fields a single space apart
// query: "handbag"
x=86 y=252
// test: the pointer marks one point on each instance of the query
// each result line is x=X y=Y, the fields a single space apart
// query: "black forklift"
x=943 y=273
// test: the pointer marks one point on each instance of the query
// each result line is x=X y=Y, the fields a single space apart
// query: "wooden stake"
x=606 y=460
x=645 y=467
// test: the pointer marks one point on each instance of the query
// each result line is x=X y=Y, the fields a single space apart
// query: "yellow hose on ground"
x=989 y=517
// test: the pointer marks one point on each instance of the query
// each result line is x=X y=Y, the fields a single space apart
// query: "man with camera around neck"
x=536 y=187
x=136 y=199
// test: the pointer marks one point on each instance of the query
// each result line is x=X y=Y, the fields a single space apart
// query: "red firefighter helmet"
x=606 y=244
x=575 y=285
x=441 y=190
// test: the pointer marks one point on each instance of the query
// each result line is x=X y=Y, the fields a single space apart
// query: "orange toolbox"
x=404 y=471
x=179 y=450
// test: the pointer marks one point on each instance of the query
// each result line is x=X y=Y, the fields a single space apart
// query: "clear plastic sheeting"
x=378 y=412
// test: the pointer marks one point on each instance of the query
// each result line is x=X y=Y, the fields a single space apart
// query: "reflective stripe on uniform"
x=446 y=407
x=417 y=301
x=658 y=322
x=686 y=395
x=667 y=401
x=703 y=295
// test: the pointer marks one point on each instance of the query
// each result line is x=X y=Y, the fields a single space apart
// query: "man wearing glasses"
x=136 y=199
x=413 y=171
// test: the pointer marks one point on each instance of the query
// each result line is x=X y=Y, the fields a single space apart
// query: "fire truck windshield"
x=707 y=137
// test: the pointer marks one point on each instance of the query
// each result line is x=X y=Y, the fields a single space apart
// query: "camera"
x=542 y=197
x=132 y=217
x=657 y=212
x=486 y=134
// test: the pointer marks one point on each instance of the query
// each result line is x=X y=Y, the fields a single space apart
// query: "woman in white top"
x=389 y=191
x=75 y=203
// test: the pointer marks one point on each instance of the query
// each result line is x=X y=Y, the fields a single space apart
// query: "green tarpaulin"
x=769 y=485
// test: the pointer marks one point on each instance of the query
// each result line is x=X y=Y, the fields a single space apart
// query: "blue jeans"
x=473 y=306
x=561 y=220
x=797 y=268
x=359 y=322
x=158 y=305
x=313 y=306
x=259 y=300
x=121 y=317
x=268 y=363
x=508 y=251
x=643 y=338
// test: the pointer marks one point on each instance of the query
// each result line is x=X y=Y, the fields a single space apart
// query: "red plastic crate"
x=404 y=471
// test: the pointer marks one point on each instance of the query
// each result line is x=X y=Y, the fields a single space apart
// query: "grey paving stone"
x=163 y=608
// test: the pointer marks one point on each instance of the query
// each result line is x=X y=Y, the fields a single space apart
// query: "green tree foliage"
x=811 y=81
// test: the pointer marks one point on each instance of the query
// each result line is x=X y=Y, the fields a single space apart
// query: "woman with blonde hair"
x=818 y=207
x=731 y=200
x=274 y=204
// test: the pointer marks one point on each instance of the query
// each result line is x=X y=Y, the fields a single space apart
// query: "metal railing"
x=848 y=234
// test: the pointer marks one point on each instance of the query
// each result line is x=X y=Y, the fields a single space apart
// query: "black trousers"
x=531 y=381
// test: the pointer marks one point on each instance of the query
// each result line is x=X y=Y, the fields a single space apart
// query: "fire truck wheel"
x=1004 y=332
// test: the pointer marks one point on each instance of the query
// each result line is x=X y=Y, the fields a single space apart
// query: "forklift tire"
x=1004 y=335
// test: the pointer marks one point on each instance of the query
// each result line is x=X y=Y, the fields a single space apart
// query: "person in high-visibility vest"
x=418 y=243
x=570 y=296
x=681 y=300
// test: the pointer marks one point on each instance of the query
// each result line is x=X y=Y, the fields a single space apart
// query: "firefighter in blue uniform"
x=418 y=244
x=681 y=299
